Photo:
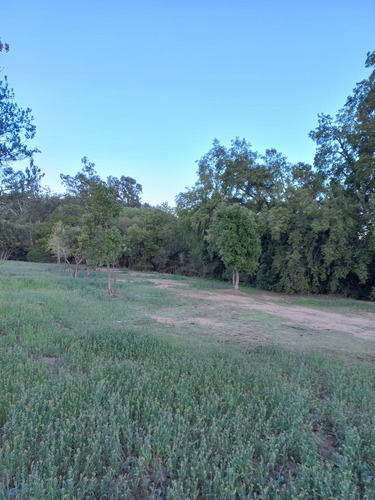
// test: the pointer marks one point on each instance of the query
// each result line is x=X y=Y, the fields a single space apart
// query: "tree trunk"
x=109 y=280
x=236 y=279
x=111 y=292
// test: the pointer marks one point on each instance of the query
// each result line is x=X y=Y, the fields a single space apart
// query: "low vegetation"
x=97 y=400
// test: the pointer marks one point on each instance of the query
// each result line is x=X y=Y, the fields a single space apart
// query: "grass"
x=98 y=402
x=331 y=303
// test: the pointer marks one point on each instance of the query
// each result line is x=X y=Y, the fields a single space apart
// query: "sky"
x=143 y=87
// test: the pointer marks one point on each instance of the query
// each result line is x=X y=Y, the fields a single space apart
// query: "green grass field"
x=98 y=401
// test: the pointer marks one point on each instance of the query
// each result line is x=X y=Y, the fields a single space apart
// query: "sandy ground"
x=235 y=316
x=359 y=324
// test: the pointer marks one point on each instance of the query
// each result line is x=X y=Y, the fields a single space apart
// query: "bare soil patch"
x=361 y=325
x=235 y=316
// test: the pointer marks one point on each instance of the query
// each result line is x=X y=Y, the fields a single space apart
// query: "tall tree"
x=79 y=186
x=16 y=128
x=127 y=190
x=232 y=175
x=291 y=258
x=27 y=182
x=346 y=158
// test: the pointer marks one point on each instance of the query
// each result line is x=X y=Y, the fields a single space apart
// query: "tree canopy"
x=234 y=233
x=16 y=128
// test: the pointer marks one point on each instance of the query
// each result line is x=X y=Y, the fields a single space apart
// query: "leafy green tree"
x=70 y=214
x=65 y=243
x=126 y=189
x=291 y=246
x=235 y=234
x=79 y=186
x=346 y=158
x=14 y=237
x=101 y=241
x=103 y=248
x=153 y=238
x=16 y=128
x=234 y=175
x=28 y=182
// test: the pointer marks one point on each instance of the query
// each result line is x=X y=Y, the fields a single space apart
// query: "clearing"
x=258 y=316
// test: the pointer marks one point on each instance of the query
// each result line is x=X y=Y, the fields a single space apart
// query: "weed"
x=97 y=401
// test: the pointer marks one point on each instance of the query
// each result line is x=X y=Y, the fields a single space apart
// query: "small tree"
x=101 y=240
x=66 y=244
x=234 y=233
x=103 y=247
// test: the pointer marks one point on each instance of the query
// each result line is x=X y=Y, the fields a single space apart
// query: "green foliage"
x=346 y=157
x=95 y=402
x=66 y=243
x=102 y=248
x=235 y=175
x=14 y=237
x=41 y=249
x=153 y=238
x=292 y=255
x=16 y=128
x=20 y=182
x=234 y=233
x=317 y=224
x=101 y=242
x=70 y=214
x=79 y=185
x=126 y=189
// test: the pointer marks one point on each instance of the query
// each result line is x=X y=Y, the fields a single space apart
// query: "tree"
x=25 y=183
x=79 y=186
x=234 y=175
x=294 y=232
x=65 y=243
x=16 y=128
x=127 y=190
x=14 y=237
x=235 y=234
x=100 y=239
x=103 y=248
x=346 y=159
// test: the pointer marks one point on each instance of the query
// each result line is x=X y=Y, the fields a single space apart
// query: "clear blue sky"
x=143 y=87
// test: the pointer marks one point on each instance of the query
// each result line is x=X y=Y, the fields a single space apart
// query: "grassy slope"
x=96 y=401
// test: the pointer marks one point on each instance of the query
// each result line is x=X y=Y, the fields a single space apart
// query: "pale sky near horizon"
x=143 y=87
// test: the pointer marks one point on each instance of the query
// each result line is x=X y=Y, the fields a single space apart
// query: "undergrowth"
x=97 y=402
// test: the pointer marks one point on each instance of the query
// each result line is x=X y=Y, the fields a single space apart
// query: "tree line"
x=250 y=216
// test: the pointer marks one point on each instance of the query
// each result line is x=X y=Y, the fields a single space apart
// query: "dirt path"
x=240 y=318
x=359 y=324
